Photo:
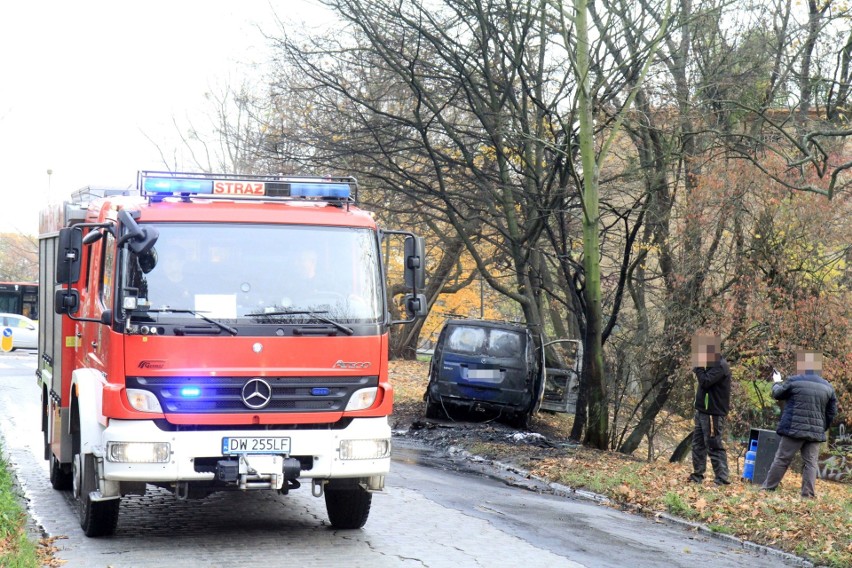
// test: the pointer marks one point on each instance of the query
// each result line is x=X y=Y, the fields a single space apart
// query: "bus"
x=19 y=298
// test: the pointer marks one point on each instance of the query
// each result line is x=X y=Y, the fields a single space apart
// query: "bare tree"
x=450 y=107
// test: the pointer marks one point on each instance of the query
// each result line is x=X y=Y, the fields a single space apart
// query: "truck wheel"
x=60 y=478
x=348 y=506
x=44 y=420
x=97 y=518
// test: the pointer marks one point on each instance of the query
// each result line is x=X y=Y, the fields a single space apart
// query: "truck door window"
x=107 y=270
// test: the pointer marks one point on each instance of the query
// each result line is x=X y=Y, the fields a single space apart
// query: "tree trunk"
x=597 y=432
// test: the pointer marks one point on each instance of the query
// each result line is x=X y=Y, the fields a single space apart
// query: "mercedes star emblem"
x=256 y=394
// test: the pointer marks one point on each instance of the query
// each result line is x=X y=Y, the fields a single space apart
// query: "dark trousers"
x=702 y=446
x=787 y=449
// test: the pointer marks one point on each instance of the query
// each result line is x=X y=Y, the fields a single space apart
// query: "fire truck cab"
x=214 y=332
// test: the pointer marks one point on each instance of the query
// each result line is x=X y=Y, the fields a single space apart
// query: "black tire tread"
x=348 y=508
x=60 y=479
x=97 y=518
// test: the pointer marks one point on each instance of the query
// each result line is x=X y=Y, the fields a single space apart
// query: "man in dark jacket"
x=810 y=408
x=712 y=402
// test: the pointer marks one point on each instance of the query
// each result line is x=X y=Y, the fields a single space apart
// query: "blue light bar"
x=320 y=391
x=190 y=392
x=176 y=186
x=324 y=190
x=159 y=185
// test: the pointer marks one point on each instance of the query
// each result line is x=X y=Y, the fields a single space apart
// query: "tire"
x=348 y=507
x=97 y=518
x=44 y=422
x=60 y=478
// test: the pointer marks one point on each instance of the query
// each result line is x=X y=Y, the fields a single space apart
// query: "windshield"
x=255 y=273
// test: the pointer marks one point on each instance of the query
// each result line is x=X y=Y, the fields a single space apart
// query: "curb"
x=791 y=559
x=32 y=527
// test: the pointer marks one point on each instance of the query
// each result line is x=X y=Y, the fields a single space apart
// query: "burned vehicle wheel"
x=434 y=409
x=521 y=421
x=347 y=504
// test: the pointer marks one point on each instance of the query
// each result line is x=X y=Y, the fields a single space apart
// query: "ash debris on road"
x=488 y=439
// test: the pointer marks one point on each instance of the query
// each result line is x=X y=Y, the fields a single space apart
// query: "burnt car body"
x=484 y=366
x=496 y=369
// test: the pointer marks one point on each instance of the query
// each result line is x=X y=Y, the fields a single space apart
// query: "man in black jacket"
x=810 y=408
x=712 y=402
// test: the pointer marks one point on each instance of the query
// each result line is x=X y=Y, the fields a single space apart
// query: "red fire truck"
x=207 y=333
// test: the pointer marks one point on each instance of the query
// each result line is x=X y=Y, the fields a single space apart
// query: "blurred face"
x=808 y=361
x=705 y=349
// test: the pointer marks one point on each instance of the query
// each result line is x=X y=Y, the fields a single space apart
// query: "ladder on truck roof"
x=90 y=193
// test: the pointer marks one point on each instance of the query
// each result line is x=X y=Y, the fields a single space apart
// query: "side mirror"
x=66 y=301
x=415 y=305
x=68 y=256
x=139 y=239
x=415 y=263
x=94 y=236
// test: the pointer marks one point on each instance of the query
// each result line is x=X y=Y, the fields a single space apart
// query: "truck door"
x=99 y=296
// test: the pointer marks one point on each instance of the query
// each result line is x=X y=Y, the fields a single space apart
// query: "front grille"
x=215 y=395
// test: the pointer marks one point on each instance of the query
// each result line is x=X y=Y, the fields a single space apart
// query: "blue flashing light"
x=190 y=392
x=320 y=391
x=176 y=186
x=323 y=190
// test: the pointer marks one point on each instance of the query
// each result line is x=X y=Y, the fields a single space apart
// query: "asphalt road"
x=430 y=515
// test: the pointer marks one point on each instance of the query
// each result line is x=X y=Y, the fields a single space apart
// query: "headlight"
x=365 y=449
x=138 y=452
x=361 y=399
x=143 y=401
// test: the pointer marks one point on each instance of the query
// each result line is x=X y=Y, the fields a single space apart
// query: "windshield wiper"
x=218 y=324
x=314 y=315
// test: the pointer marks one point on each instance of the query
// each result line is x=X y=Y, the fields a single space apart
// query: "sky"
x=90 y=90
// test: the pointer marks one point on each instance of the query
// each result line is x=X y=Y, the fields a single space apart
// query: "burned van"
x=487 y=367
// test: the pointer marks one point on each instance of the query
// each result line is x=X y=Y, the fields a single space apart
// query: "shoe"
x=721 y=482
x=694 y=479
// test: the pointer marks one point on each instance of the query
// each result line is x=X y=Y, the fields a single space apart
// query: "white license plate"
x=255 y=445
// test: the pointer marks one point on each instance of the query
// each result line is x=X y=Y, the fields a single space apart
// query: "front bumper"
x=319 y=448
